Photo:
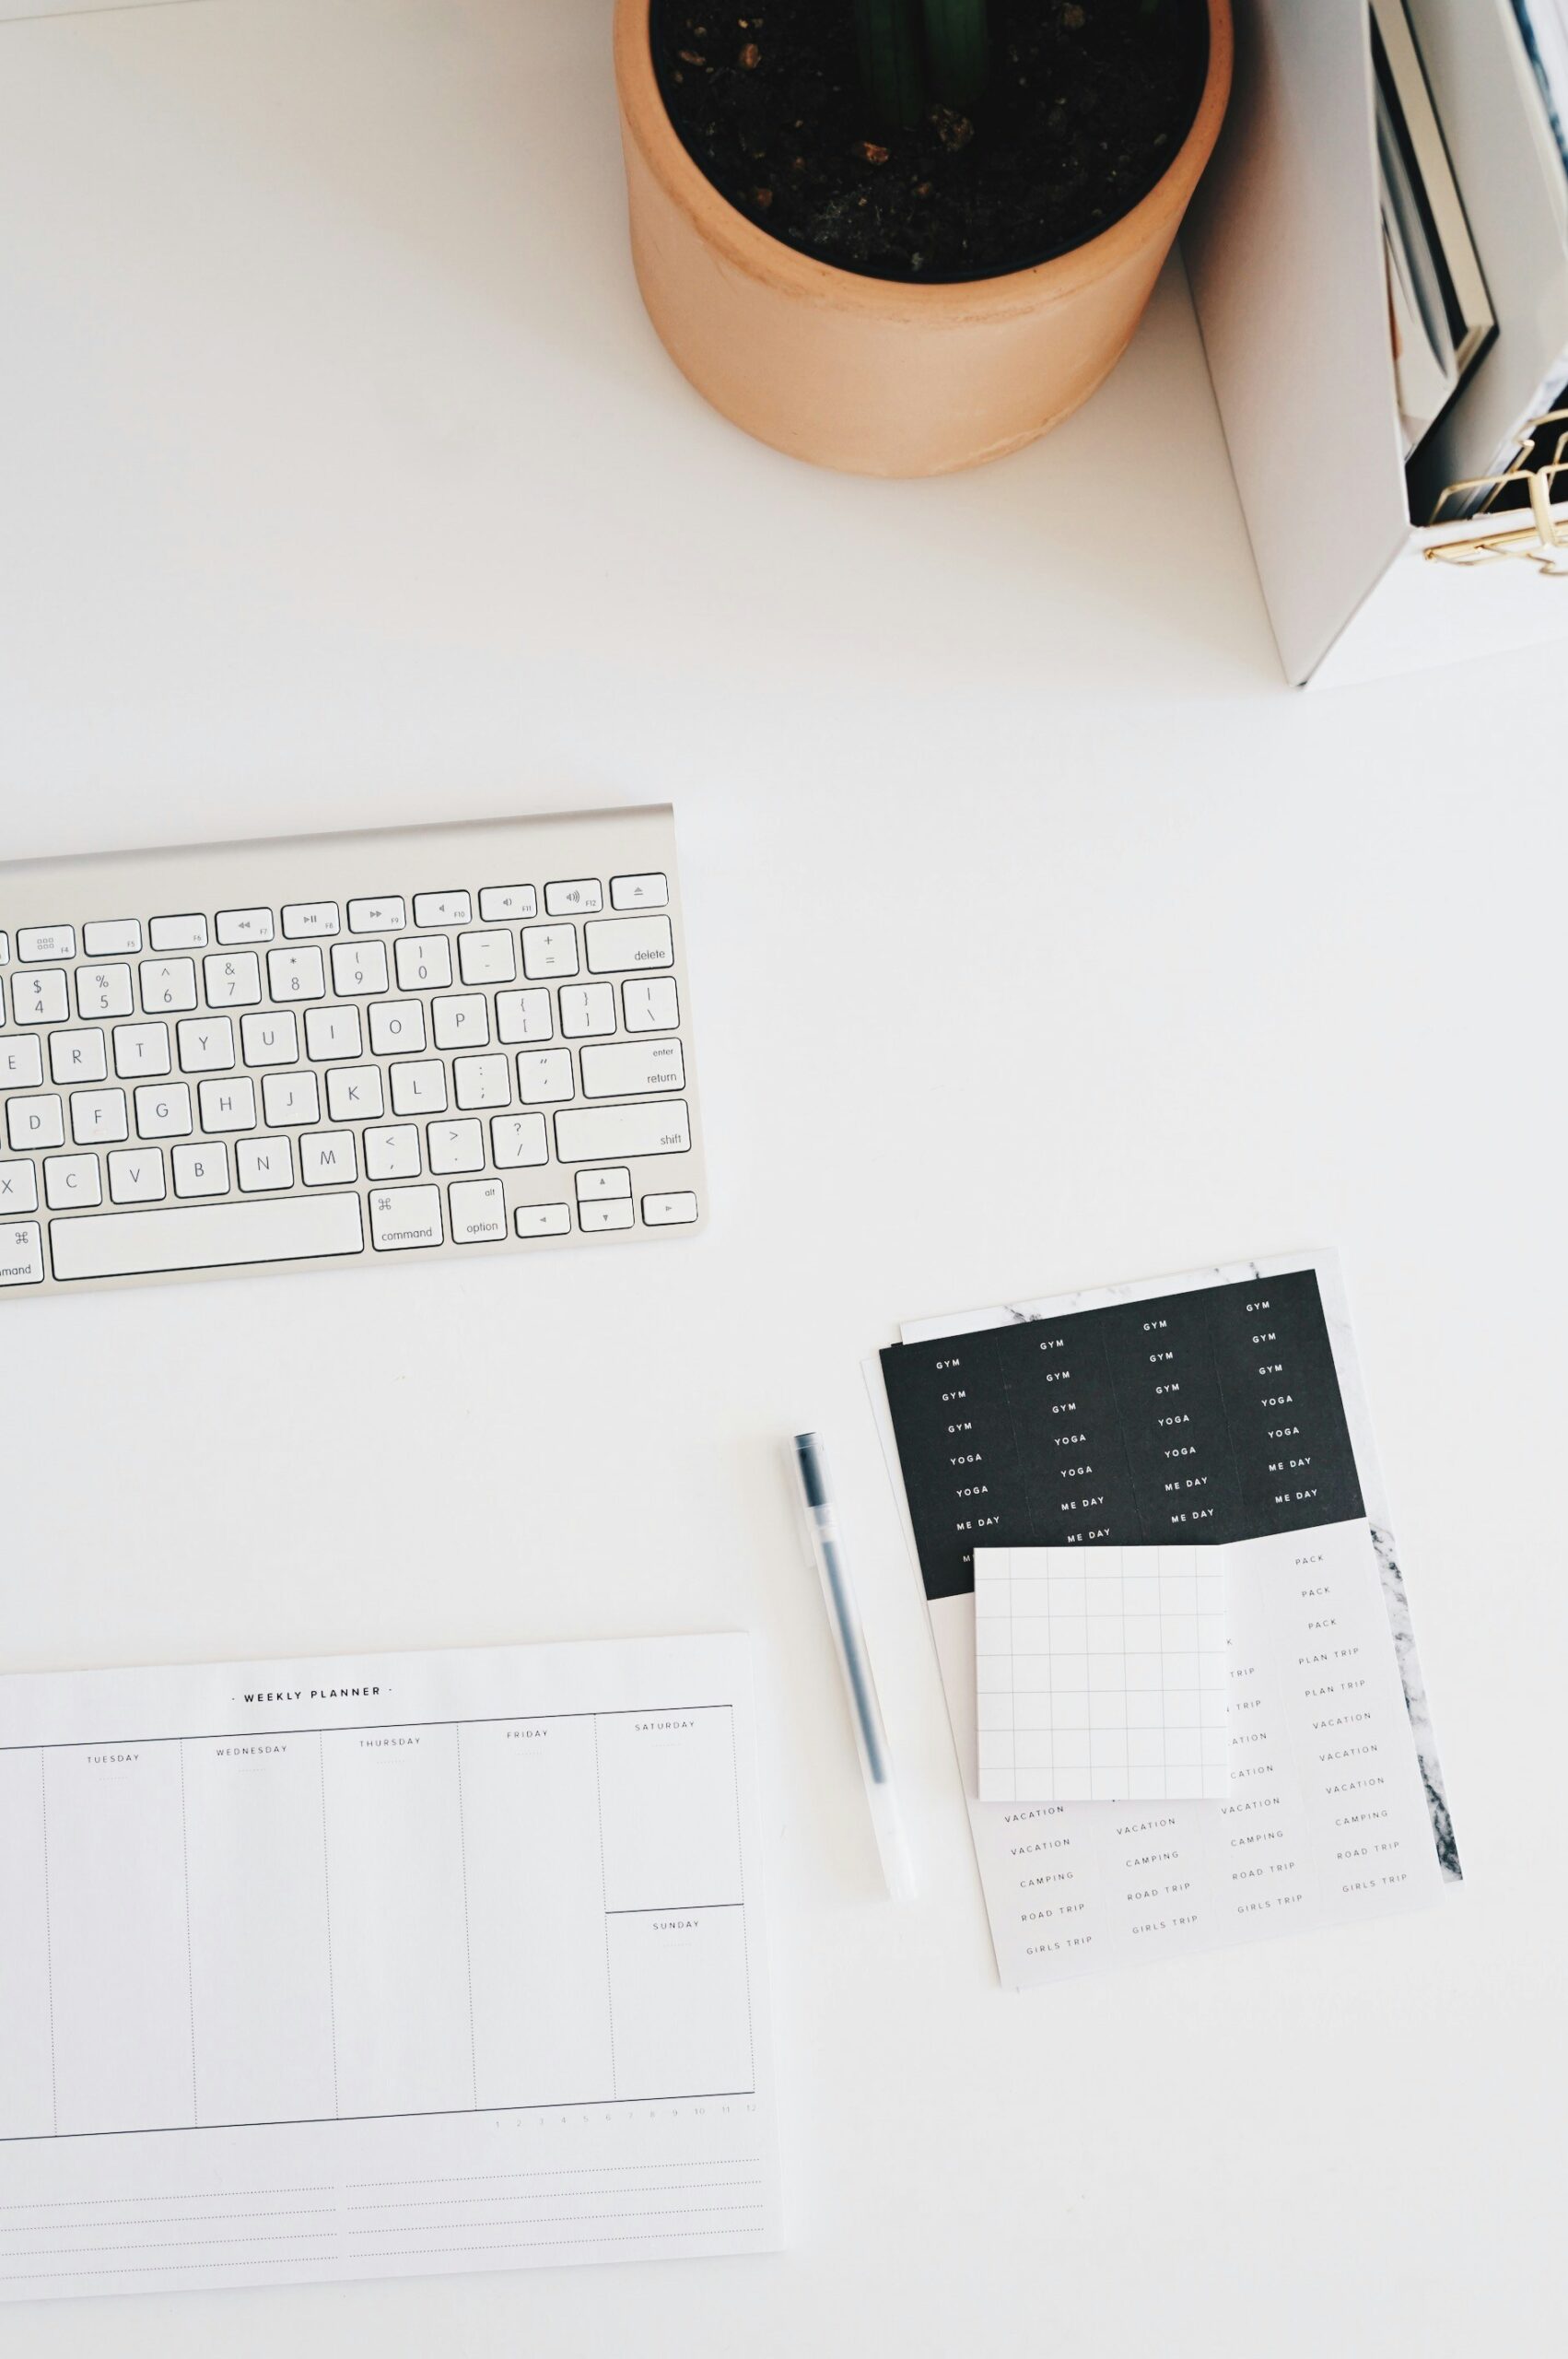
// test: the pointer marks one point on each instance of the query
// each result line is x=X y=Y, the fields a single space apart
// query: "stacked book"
x=1475 y=228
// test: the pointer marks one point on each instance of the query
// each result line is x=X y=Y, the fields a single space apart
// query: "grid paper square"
x=1101 y=1675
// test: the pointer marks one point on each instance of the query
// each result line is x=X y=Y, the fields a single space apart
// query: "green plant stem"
x=958 y=49
x=890 y=58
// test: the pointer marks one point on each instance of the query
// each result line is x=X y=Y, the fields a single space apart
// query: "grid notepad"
x=1100 y=1673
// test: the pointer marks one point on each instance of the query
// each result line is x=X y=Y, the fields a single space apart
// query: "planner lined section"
x=1208 y=1414
x=430 y=1962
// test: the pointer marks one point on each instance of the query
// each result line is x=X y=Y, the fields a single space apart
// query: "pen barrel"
x=854 y=1664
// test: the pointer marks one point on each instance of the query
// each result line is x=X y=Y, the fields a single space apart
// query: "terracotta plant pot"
x=875 y=375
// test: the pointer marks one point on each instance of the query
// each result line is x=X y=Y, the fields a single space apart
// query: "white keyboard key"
x=163 y=1110
x=19 y=1187
x=609 y=1133
x=244 y=925
x=487 y=958
x=615 y=944
x=21 y=1063
x=456 y=1146
x=633 y=1067
x=77 y=1056
x=669 y=1212
x=481 y=1082
x=649 y=892
x=386 y=915
x=136 y=1177
x=548 y=950
x=205 y=1043
x=608 y=1212
x=41 y=997
x=574 y=897
x=140 y=1050
x=354 y=1095
x=518 y=1140
x=359 y=968
x=264 y=1163
x=21 y=1254
x=652 y=1006
x=419 y=1088
x=523 y=1016
x=289 y=1098
x=332 y=1035
x=206 y=1236
x=587 y=1008
x=39 y=944
x=188 y=932
x=327 y=1158
x=542 y=1220
x=424 y=962
x=72 y=1182
x=508 y=904
x=103 y=990
x=268 y=1039
x=402 y=1217
x=397 y=1027
x=200 y=1171
x=442 y=909
x=478 y=1209
x=5 y=947
x=232 y=982
x=392 y=1153
x=296 y=974
x=310 y=921
x=616 y=1180
x=545 y=1075
x=228 y=1105
x=98 y=1116
x=35 y=1122
x=112 y=938
x=461 y=1020
x=168 y=985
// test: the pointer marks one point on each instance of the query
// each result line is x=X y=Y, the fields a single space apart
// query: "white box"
x=1283 y=249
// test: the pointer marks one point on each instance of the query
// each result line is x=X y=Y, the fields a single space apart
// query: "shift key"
x=629 y=1068
x=612 y=1134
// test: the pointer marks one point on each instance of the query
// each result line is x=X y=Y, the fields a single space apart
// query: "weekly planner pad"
x=1220 y=1412
x=412 y=1964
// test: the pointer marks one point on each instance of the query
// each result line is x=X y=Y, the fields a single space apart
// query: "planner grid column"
x=998 y=1709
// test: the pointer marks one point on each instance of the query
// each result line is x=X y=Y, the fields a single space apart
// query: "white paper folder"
x=1283 y=249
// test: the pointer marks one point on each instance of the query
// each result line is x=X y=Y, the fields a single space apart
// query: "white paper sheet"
x=1102 y=1674
x=406 y=1965
x=1325 y=1825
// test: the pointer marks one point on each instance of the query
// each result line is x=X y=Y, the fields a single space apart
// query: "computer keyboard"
x=351 y=1048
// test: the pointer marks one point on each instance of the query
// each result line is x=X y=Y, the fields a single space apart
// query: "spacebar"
x=205 y=1237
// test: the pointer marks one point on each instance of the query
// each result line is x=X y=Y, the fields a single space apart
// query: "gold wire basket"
x=1540 y=536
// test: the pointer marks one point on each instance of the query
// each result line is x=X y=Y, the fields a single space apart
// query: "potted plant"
x=904 y=236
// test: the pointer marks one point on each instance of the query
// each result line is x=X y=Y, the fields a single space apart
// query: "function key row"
x=319 y=920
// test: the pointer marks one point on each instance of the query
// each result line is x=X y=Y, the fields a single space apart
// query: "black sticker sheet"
x=1211 y=1414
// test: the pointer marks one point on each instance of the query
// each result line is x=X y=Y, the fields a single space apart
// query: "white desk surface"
x=1040 y=935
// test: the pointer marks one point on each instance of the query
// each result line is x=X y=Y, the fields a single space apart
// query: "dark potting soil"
x=1087 y=102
